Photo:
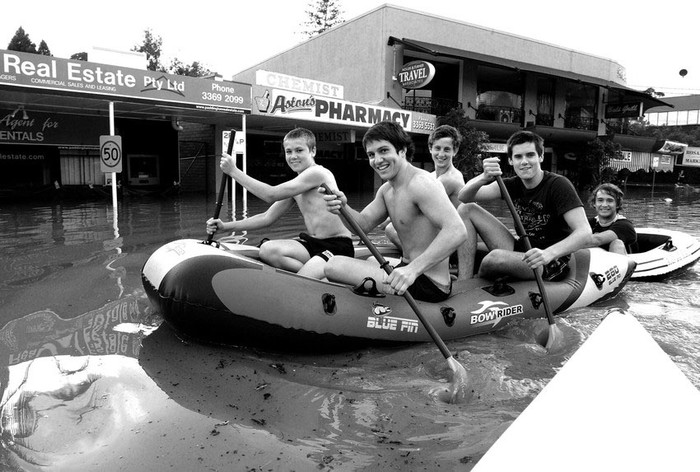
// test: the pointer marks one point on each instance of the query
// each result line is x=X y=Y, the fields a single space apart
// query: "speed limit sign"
x=111 y=153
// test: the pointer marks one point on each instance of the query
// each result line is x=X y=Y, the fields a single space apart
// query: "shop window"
x=545 y=102
x=144 y=169
x=499 y=95
x=581 y=110
x=693 y=117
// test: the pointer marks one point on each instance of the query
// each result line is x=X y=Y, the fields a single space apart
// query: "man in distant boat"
x=611 y=230
x=326 y=235
x=425 y=220
x=548 y=205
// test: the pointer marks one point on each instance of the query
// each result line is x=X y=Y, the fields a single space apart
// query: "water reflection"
x=91 y=380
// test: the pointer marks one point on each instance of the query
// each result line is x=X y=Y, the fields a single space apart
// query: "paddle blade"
x=460 y=390
x=552 y=338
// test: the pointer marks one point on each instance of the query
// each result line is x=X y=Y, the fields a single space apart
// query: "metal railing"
x=500 y=114
x=580 y=122
x=432 y=106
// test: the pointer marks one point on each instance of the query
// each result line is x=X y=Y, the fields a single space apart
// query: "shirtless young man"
x=426 y=221
x=548 y=205
x=327 y=236
x=444 y=144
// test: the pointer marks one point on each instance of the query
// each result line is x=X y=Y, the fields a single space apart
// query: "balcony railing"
x=500 y=114
x=581 y=122
x=432 y=106
x=544 y=120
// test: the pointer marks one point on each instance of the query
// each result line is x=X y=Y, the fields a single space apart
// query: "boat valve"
x=598 y=279
x=536 y=299
x=449 y=315
x=329 y=305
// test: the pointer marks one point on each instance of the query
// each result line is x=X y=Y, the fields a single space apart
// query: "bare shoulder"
x=423 y=184
x=452 y=179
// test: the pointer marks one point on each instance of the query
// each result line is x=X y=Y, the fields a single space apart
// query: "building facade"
x=503 y=82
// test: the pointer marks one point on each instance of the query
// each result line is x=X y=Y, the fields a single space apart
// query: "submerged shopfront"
x=53 y=112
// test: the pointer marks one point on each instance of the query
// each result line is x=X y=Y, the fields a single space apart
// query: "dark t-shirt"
x=542 y=208
x=622 y=227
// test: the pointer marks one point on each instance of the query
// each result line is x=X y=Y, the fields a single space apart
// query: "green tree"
x=596 y=161
x=79 y=56
x=468 y=159
x=44 y=49
x=21 y=42
x=323 y=15
x=152 y=46
x=193 y=70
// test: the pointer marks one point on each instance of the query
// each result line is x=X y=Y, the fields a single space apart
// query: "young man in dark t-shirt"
x=548 y=205
x=611 y=230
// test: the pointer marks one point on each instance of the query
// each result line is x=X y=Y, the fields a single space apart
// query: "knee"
x=493 y=263
x=466 y=210
x=331 y=269
x=270 y=252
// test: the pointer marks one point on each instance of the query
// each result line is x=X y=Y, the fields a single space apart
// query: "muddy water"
x=92 y=379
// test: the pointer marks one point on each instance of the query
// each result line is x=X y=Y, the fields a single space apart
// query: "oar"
x=459 y=389
x=222 y=190
x=555 y=337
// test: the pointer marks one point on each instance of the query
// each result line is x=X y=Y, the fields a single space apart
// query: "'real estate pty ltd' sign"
x=36 y=71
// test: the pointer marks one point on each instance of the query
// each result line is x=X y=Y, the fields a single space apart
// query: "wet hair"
x=445 y=131
x=393 y=133
x=612 y=190
x=301 y=133
x=523 y=137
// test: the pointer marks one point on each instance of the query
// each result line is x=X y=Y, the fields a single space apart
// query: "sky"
x=653 y=40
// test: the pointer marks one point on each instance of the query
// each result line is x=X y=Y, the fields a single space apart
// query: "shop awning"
x=619 y=94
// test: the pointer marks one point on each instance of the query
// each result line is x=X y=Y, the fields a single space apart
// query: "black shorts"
x=326 y=248
x=425 y=289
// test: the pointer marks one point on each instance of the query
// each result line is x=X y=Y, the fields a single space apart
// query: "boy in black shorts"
x=326 y=235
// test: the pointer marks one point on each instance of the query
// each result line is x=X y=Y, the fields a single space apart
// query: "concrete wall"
x=356 y=53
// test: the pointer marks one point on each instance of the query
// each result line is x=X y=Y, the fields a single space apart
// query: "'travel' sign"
x=416 y=74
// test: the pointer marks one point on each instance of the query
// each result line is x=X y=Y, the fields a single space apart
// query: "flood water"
x=93 y=380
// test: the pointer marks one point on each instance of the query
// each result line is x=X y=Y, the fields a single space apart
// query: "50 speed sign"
x=111 y=153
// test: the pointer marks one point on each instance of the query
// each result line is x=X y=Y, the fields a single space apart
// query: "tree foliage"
x=192 y=70
x=44 y=49
x=323 y=15
x=689 y=135
x=152 y=46
x=596 y=161
x=21 y=42
x=468 y=158
x=80 y=56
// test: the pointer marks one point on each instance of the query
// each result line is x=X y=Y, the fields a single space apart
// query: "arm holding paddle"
x=261 y=220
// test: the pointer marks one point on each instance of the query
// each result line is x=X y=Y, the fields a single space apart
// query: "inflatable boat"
x=663 y=251
x=226 y=295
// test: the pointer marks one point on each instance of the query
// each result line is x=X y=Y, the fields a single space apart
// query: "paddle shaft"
x=520 y=229
x=388 y=269
x=222 y=189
